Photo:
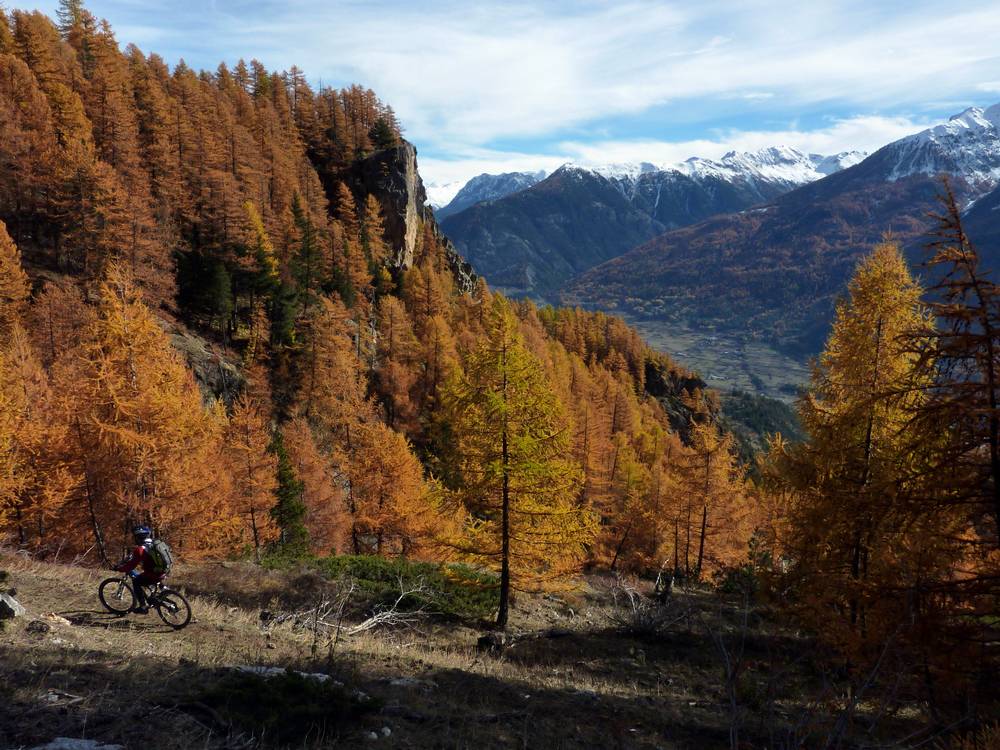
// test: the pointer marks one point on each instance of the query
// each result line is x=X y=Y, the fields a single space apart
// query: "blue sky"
x=500 y=86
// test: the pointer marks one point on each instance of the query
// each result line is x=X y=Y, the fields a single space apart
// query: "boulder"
x=74 y=743
x=10 y=607
x=218 y=375
x=494 y=643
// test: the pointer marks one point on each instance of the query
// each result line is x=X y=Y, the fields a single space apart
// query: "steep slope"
x=531 y=242
x=488 y=187
x=982 y=222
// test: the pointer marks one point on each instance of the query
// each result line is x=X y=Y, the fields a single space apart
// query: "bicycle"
x=118 y=597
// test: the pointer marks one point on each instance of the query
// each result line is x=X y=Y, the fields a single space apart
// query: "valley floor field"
x=727 y=360
x=594 y=675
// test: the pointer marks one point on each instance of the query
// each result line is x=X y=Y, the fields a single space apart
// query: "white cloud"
x=467 y=164
x=472 y=73
x=470 y=79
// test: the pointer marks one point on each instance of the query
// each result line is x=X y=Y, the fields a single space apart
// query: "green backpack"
x=159 y=552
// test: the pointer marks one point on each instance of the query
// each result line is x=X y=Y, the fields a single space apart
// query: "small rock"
x=39 y=627
x=410 y=682
x=371 y=736
x=73 y=743
x=269 y=645
x=386 y=731
x=60 y=697
x=55 y=619
x=10 y=607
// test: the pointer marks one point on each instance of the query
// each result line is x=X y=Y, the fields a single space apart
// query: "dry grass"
x=588 y=684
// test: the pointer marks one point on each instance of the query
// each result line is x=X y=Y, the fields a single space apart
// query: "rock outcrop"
x=217 y=375
x=391 y=175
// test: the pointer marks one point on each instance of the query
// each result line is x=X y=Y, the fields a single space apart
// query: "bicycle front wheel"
x=116 y=595
x=173 y=609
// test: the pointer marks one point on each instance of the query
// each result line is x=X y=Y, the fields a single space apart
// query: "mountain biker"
x=149 y=576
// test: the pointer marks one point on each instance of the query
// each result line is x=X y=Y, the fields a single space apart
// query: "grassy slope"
x=593 y=686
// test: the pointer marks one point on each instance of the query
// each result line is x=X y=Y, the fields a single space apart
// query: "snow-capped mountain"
x=534 y=238
x=441 y=193
x=759 y=175
x=487 y=187
x=966 y=146
x=777 y=164
x=771 y=170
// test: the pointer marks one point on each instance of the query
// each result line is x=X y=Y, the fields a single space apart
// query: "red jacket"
x=141 y=556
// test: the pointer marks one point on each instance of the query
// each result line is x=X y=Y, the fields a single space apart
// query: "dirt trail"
x=135 y=682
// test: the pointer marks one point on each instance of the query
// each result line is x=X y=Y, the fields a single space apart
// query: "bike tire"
x=173 y=609
x=116 y=595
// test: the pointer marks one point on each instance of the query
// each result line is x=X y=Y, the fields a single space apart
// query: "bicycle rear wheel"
x=116 y=595
x=173 y=609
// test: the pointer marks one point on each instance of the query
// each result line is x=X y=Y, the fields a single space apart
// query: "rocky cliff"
x=391 y=175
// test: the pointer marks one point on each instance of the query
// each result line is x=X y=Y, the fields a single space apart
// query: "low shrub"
x=736 y=579
x=452 y=590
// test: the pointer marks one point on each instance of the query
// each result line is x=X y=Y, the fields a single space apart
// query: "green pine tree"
x=289 y=509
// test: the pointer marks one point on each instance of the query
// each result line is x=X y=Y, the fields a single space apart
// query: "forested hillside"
x=278 y=234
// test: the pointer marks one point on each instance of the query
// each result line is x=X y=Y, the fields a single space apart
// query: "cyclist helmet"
x=141 y=534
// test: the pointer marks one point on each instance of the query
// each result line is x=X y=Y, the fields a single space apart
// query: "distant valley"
x=733 y=266
x=777 y=269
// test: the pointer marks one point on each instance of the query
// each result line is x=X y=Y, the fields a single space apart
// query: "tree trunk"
x=21 y=536
x=621 y=545
x=701 y=542
x=256 y=536
x=677 y=544
x=98 y=534
x=687 y=546
x=503 y=611
x=858 y=549
x=504 y=544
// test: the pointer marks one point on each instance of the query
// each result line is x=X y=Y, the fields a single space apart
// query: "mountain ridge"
x=778 y=267
x=530 y=242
